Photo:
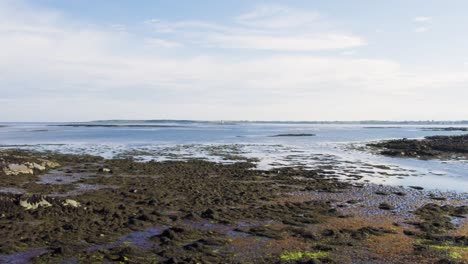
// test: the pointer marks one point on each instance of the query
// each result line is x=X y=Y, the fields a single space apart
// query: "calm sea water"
x=333 y=147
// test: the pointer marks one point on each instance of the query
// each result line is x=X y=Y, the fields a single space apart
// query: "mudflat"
x=85 y=209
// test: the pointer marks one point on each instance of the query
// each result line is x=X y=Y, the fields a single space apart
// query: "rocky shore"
x=434 y=147
x=57 y=208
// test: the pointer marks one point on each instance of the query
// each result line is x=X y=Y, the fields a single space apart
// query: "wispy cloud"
x=291 y=43
x=267 y=27
x=278 y=17
x=49 y=62
x=160 y=26
x=421 y=29
x=162 y=43
x=349 y=52
x=423 y=22
x=422 y=19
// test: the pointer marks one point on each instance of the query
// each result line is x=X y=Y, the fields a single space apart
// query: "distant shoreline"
x=361 y=122
x=183 y=121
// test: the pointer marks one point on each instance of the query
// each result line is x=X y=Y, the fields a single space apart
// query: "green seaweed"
x=292 y=256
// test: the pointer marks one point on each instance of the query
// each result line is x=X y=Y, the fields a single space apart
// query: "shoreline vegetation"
x=63 y=208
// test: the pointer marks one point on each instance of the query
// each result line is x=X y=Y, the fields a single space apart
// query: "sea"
x=339 y=150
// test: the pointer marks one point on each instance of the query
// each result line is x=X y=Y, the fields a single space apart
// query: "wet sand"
x=91 y=210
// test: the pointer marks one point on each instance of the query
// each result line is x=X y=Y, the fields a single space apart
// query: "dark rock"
x=386 y=206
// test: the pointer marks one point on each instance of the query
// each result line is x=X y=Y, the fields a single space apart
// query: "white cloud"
x=119 y=27
x=422 y=19
x=54 y=68
x=349 y=52
x=160 y=26
x=278 y=17
x=265 y=28
x=162 y=43
x=421 y=29
x=291 y=43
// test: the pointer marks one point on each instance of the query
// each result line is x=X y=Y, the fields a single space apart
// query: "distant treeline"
x=364 y=122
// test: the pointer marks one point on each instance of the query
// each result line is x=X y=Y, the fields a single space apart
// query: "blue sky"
x=256 y=60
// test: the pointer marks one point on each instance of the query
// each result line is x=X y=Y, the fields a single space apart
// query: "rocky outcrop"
x=72 y=203
x=442 y=147
x=15 y=169
x=34 y=205
x=15 y=165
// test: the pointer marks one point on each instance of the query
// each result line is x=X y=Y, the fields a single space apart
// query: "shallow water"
x=329 y=149
x=139 y=239
x=22 y=257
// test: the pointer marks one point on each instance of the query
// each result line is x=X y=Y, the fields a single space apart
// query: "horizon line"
x=251 y=121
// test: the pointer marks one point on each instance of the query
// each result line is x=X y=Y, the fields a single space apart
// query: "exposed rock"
x=15 y=169
x=32 y=206
x=440 y=147
x=445 y=129
x=72 y=203
x=294 y=135
x=386 y=206
x=21 y=165
x=106 y=170
x=50 y=164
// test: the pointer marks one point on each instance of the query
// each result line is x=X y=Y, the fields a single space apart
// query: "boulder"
x=32 y=206
x=72 y=203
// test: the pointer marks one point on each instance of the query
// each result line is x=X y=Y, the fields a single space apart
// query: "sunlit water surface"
x=334 y=148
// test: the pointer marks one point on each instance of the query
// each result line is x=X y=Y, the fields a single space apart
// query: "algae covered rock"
x=12 y=163
x=72 y=203
x=34 y=205
x=15 y=169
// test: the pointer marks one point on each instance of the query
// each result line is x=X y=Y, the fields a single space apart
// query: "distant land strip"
x=294 y=135
x=109 y=125
x=362 y=122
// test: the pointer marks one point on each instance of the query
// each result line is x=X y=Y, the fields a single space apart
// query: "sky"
x=80 y=60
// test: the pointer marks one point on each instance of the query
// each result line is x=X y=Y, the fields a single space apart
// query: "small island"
x=294 y=135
